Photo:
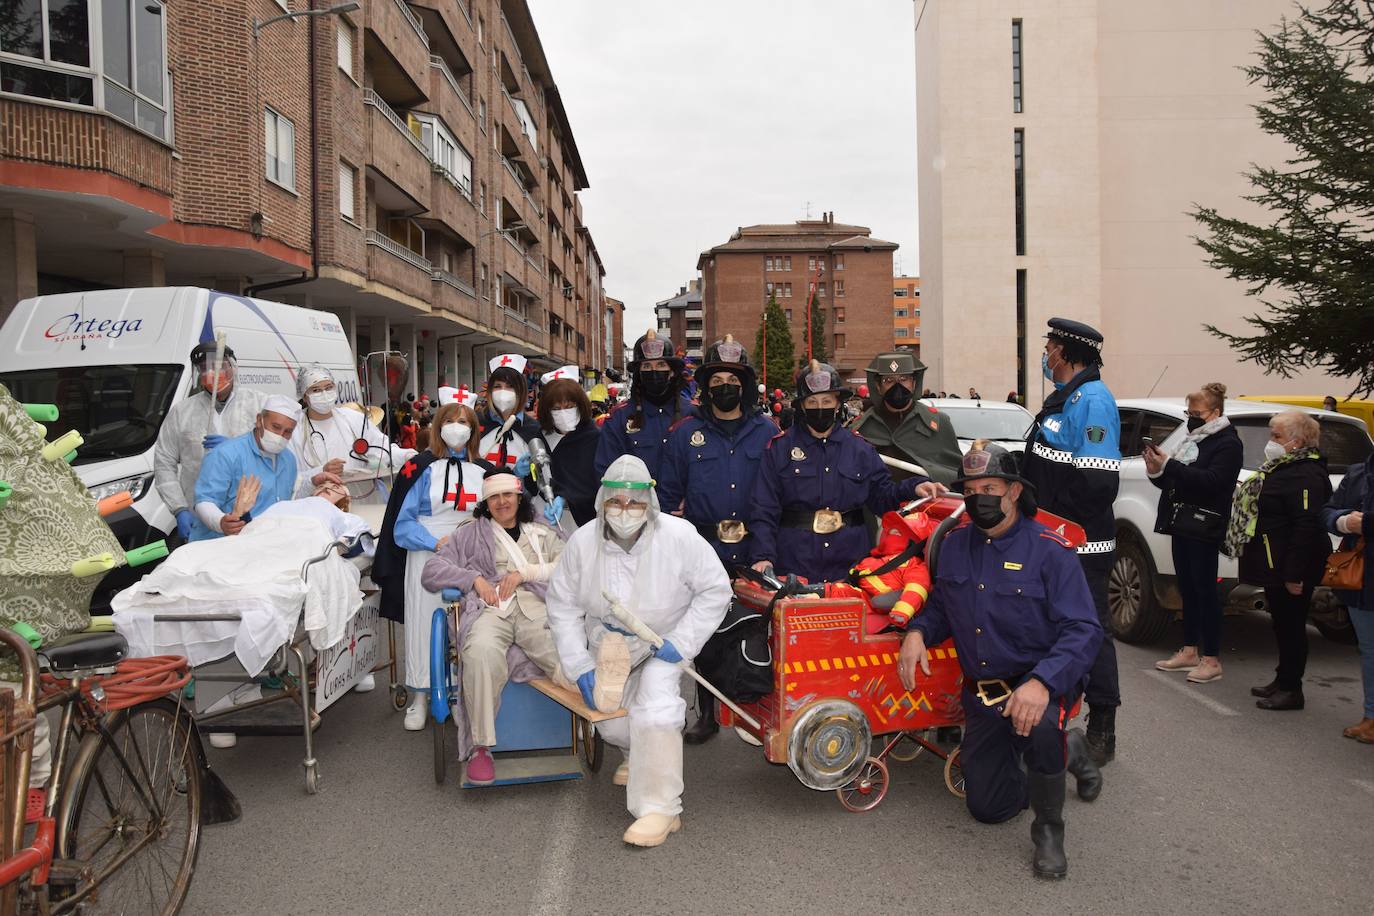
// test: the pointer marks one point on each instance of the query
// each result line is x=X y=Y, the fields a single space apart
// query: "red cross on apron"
x=460 y=498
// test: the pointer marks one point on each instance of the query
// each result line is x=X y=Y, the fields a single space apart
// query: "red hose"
x=135 y=681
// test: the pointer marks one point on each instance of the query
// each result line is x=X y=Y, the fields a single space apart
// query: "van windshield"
x=117 y=409
x=1342 y=444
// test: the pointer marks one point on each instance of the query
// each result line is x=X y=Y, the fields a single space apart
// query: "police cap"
x=1068 y=329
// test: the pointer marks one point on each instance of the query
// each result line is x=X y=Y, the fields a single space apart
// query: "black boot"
x=1268 y=690
x=1102 y=734
x=705 y=727
x=1047 y=830
x=1282 y=699
x=1086 y=775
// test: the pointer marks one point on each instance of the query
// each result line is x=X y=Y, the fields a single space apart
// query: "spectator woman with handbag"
x=1276 y=530
x=1195 y=473
x=1351 y=513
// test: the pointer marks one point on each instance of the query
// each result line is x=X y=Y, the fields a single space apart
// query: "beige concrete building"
x=1060 y=145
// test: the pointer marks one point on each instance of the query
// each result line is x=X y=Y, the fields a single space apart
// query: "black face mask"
x=898 y=397
x=655 y=382
x=985 y=510
x=819 y=419
x=1194 y=423
x=725 y=398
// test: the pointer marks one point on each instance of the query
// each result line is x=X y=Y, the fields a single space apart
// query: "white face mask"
x=272 y=443
x=503 y=399
x=322 y=401
x=566 y=419
x=1273 y=450
x=455 y=435
x=626 y=525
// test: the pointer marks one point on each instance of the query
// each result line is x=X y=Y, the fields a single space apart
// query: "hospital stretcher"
x=545 y=733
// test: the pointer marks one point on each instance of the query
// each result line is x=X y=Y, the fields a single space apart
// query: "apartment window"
x=482 y=113
x=348 y=183
x=839 y=314
x=839 y=289
x=486 y=283
x=899 y=332
x=1016 y=66
x=344 y=41
x=482 y=197
x=899 y=313
x=787 y=261
x=1022 y=388
x=788 y=312
x=280 y=136
x=811 y=264
x=787 y=290
x=918 y=332
x=1019 y=161
x=767 y=264
x=900 y=293
x=820 y=290
x=820 y=264
x=839 y=341
x=445 y=152
x=768 y=288
x=446 y=261
x=481 y=29
x=916 y=313
x=839 y=262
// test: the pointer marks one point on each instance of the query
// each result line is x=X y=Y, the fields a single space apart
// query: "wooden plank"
x=572 y=699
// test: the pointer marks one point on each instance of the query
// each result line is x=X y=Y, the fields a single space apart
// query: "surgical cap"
x=311 y=375
x=279 y=403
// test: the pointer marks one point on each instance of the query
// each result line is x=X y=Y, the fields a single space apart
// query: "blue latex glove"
x=211 y=441
x=587 y=683
x=668 y=652
x=522 y=466
x=184 y=522
x=553 y=510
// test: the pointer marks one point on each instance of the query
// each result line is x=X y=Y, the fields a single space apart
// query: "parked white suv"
x=1142 y=591
x=1001 y=421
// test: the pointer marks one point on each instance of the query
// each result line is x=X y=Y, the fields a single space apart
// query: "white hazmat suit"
x=178 y=454
x=672 y=580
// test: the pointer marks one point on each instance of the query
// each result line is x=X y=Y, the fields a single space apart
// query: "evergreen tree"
x=818 y=350
x=779 y=363
x=1311 y=262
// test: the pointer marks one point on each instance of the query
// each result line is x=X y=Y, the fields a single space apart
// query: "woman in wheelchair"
x=501 y=561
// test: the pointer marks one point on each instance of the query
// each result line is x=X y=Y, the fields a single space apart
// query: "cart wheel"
x=907 y=749
x=312 y=778
x=399 y=697
x=954 y=775
x=440 y=751
x=590 y=745
x=868 y=788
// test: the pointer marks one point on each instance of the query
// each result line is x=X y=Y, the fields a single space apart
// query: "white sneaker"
x=366 y=685
x=223 y=739
x=417 y=713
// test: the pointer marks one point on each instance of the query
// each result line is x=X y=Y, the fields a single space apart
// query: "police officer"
x=813 y=485
x=1010 y=592
x=900 y=426
x=639 y=426
x=709 y=468
x=1073 y=457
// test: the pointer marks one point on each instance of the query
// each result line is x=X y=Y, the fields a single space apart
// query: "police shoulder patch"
x=1095 y=433
x=1077 y=395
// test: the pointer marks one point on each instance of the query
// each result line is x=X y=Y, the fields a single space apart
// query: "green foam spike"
x=42 y=413
x=6 y=491
x=27 y=633
x=146 y=554
x=70 y=456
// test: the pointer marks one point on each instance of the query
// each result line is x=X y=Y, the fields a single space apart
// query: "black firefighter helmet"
x=729 y=355
x=654 y=346
x=820 y=378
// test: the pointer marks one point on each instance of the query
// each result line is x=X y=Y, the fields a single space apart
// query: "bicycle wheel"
x=133 y=818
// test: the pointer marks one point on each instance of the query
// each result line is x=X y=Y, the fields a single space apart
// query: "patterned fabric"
x=1245 y=503
x=49 y=523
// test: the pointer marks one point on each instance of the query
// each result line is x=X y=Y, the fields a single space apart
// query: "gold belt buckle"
x=731 y=531
x=993 y=701
x=827 y=521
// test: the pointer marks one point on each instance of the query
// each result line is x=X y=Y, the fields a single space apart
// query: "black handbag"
x=1194 y=523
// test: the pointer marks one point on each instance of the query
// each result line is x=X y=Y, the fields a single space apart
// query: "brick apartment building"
x=852 y=272
x=408 y=166
x=906 y=314
x=680 y=317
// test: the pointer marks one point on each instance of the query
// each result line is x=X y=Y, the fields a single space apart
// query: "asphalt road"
x=1212 y=806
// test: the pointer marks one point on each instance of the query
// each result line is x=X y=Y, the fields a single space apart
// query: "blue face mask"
x=1045 y=371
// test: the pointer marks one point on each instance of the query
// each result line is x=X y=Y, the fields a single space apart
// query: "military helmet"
x=895 y=362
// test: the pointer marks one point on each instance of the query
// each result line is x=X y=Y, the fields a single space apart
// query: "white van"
x=115 y=361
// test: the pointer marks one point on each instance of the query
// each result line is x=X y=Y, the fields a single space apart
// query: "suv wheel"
x=1136 y=614
x=1332 y=620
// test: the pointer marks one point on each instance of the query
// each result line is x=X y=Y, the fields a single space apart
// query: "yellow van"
x=1364 y=410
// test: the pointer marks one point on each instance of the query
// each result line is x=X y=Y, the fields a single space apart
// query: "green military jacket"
x=925 y=437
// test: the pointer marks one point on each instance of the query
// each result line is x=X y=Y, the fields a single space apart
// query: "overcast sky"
x=695 y=118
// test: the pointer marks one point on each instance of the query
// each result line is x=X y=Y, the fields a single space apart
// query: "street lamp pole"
x=260 y=24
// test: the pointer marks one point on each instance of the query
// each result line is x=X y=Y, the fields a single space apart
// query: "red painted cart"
x=835 y=687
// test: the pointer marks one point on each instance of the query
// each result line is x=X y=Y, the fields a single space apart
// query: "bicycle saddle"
x=85 y=650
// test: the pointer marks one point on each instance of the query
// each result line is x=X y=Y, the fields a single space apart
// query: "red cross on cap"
x=512 y=360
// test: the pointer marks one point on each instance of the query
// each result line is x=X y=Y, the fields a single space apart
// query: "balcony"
x=513 y=188
x=396 y=152
x=451 y=205
x=451 y=294
x=449 y=25
x=397 y=266
x=396 y=50
x=448 y=101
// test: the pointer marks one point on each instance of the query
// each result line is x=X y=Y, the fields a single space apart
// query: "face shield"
x=627 y=500
x=203 y=363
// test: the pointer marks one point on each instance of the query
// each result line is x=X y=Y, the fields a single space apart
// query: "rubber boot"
x=705 y=727
x=1102 y=734
x=1047 y=830
x=1087 y=776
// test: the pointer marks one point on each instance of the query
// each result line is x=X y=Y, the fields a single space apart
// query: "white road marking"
x=555 y=877
x=1363 y=784
x=1192 y=691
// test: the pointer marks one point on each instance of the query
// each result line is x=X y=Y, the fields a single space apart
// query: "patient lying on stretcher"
x=257 y=576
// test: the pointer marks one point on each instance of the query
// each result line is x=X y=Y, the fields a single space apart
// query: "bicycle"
x=120 y=827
